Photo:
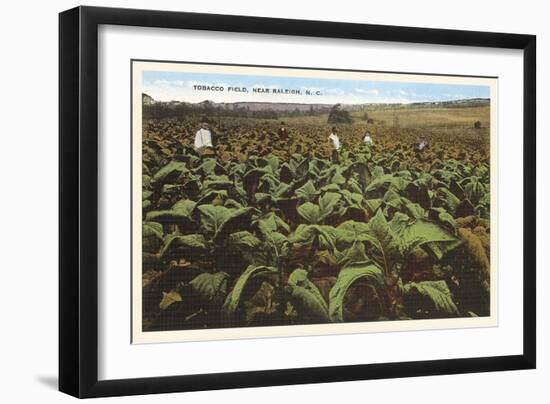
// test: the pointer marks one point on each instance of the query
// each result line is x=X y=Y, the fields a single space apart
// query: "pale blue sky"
x=168 y=86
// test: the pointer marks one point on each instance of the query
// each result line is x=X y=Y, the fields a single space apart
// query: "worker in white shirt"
x=203 y=137
x=333 y=139
x=334 y=142
x=367 y=139
x=422 y=144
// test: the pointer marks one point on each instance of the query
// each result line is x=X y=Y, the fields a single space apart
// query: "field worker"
x=422 y=144
x=334 y=142
x=282 y=132
x=367 y=139
x=203 y=137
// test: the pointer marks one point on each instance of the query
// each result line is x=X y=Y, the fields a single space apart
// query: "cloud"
x=370 y=92
x=334 y=91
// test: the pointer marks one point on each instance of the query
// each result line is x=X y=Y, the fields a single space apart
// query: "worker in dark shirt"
x=283 y=132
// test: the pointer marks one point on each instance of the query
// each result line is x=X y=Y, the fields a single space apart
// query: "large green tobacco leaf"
x=324 y=235
x=385 y=182
x=234 y=297
x=146 y=181
x=252 y=249
x=415 y=211
x=307 y=296
x=212 y=217
x=232 y=204
x=248 y=245
x=372 y=205
x=236 y=170
x=273 y=196
x=377 y=171
x=146 y=204
x=180 y=213
x=423 y=233
x=351 y=231
x=238 y=219
x=152 y=229
x=393 y=199
x=353 y=255
x=450 y=201
x=301 y=168
x=207 y=166
x=243 y=240
x=351 y=198
x=218 y=183
x=486 y=199
x=474 y=189
x=173 y=169
x=385 y=251
x=347 y=276
x=211 y=166
x=337 y=177
x=270 y=184
x=272 y=230
x=219 y=220
x=212 y=197
x=273 y=163
x=327 y=203
x=354 y=186
x=310 y=212
x=146 y=195
x=442 y=216
x=437 y=292
x=445 y=175
x=314 y=214
x=211 y=287
x=307 y=191
x=280 y=191
x=152 y=236
x=278 y=243
x=270 y=223
x=191 y=243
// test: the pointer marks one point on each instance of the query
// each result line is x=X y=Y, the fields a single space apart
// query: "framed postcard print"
x=281 y=202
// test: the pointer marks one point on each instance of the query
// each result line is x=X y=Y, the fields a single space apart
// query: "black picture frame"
x=78 y=201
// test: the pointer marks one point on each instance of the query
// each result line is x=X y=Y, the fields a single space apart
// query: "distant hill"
x=302 y=107
x=470 y=102
x=274 y=106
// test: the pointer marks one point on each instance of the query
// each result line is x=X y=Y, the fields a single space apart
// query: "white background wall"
x=28 y=201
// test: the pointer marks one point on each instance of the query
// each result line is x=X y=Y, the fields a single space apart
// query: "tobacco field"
x=266 y=231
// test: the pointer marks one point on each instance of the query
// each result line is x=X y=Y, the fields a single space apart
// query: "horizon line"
x=320 y=103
